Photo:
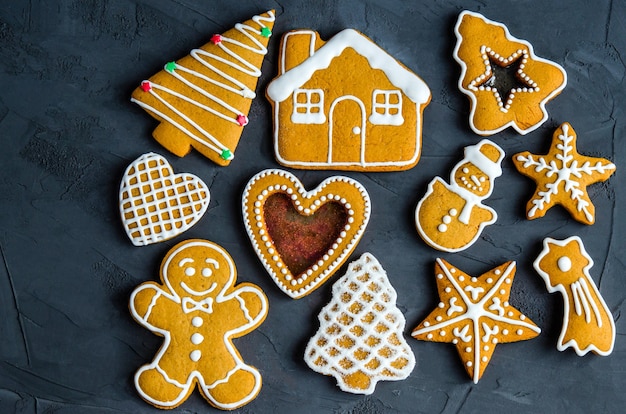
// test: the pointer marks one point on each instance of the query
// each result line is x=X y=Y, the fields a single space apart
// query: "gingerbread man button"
x=198 y=311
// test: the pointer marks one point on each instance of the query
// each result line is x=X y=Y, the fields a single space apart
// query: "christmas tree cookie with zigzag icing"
x=202 y=100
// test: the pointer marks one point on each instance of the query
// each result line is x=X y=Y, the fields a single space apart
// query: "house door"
x=346 y=133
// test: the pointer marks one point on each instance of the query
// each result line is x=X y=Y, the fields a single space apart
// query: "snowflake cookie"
x=198 y=310
x=360 y=340
x=508 y=85
x=475 y=315
x=588 y=324
x=562 y=177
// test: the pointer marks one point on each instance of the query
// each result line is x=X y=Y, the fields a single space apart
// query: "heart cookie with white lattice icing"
x=156 y=204
x=302 y=237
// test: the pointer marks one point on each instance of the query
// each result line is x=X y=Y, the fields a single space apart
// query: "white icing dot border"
x=470 y=93
x=489 y=55
x=274 y=181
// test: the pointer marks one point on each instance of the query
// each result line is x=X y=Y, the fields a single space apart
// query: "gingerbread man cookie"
x=451 y=217
x=360 y=339
x=198 y=311
x=588 y=324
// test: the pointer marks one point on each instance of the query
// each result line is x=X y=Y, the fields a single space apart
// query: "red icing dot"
x=146 y=86
x=216 y=39
x=242 y=120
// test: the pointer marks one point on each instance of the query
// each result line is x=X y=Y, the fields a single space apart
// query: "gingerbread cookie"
x=360 y=340
x=588 y=324
x=156 y=204
x=369 y=122
x=302 y=237
x=508 y=85
x=562 y=177
x=475 y=315
x=451 y=217
x=198 y=310
x=202 y=100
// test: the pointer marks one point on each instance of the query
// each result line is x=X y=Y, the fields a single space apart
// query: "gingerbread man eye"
x=190 y=271
x=206 y=272
x=465 y=170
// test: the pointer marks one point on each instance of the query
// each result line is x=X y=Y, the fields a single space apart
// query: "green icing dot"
x=266 y=32
x=170 y=66
x=226 y=154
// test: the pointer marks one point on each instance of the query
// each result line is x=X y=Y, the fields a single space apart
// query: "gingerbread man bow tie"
x=204 y=305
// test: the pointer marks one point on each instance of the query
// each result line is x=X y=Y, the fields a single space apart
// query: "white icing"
x=288 y=81
x=517 y=56
x=472 y=155
x=474 y=291
x=412 y=86
x=190 y=305
x=489 y=331
x=472 y=95
x=222 y=296
x=139 y=174
x=476 y=314
x=497 y=306
x=357 y=282
x=453 y=307
x=585 y=295
x=288 y=183
x=564 y=263
x=308 y=112
x=361 y=127
x=563 y=172
x=461 y=334
x=385 y=112
x=195 y=355
x=203 y=57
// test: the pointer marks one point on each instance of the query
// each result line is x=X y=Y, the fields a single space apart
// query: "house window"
x=386 y=108
x=308 y=106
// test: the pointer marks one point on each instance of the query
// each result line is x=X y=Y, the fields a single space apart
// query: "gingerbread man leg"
x=241 y=386
x=157 y=388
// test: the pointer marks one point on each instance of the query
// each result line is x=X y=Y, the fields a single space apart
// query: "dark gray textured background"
x=67 y=132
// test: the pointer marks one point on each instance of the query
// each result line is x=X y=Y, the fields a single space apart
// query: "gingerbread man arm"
x=249 y=308
x=143 y=302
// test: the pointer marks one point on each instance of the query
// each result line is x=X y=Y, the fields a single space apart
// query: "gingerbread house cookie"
x=345 y=104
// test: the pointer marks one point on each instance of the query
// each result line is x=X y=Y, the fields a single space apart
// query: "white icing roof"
x=412 y=85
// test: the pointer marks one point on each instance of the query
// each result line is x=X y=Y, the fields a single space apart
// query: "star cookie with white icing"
x=562 y=177
x=475 y=315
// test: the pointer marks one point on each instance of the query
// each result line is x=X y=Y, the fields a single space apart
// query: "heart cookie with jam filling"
x=303 y=237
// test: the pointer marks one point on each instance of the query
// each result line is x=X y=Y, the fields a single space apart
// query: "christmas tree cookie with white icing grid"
x=359 y=340
x=202 y=100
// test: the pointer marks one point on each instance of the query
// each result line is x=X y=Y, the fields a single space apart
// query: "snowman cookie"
x=451 y=217
x=198 y=310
